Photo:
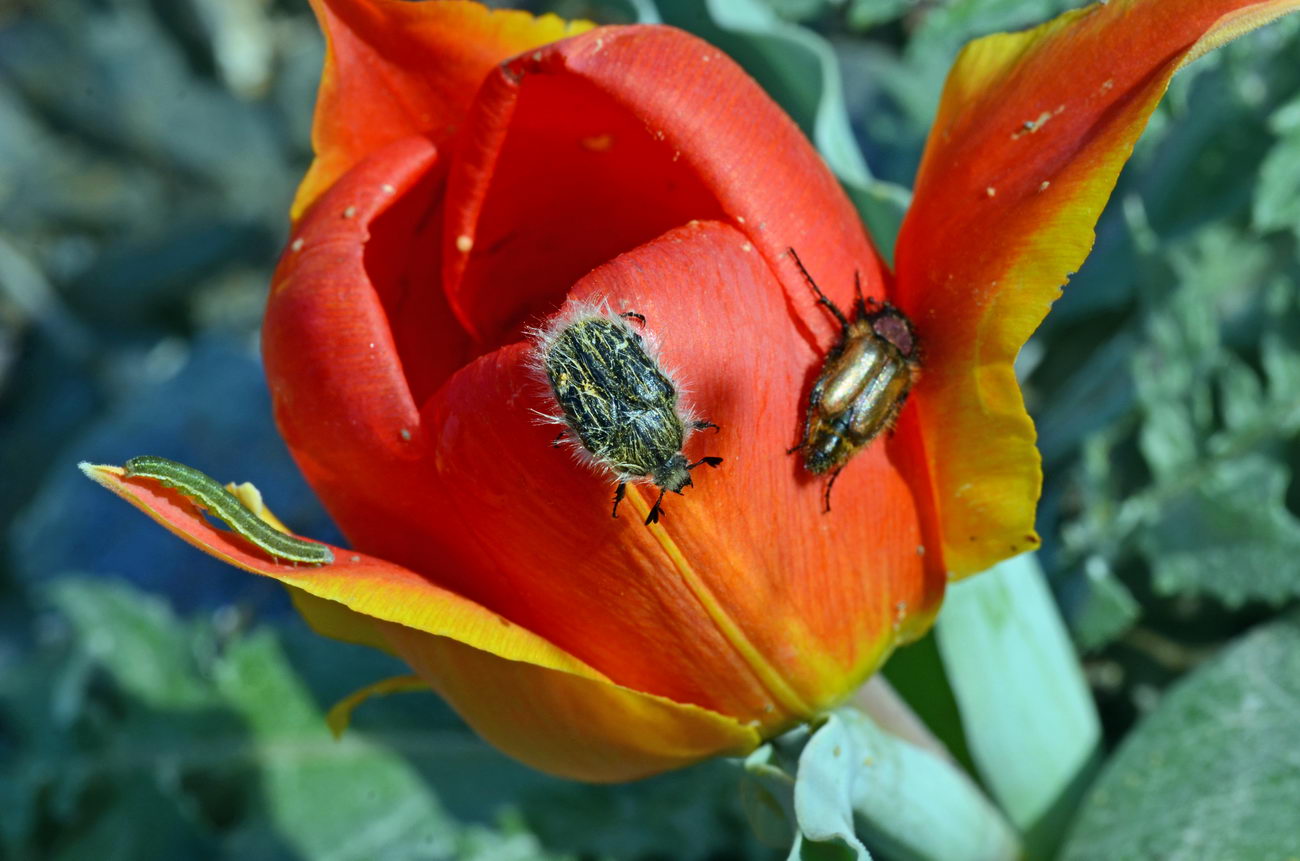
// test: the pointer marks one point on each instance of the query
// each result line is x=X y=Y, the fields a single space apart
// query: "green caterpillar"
x=226 y=507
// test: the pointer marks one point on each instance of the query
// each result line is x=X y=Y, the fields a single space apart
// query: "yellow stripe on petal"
x=1031 y=134
x=768 y=675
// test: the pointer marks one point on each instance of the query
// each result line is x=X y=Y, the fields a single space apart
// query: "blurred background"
x=156 y=704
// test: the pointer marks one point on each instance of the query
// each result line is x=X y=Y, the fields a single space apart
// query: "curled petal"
x=397 y=69
x=619 y=135
x=349 y=346
x=1031 y=134
x=520 y=692
x=448 y=474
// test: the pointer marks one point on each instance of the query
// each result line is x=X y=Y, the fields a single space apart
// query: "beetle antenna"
x=821 y=297
x=861 y=305
x=829 y=485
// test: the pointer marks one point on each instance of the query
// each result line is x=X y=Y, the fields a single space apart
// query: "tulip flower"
x=476 y=170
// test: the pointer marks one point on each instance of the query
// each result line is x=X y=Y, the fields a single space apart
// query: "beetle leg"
x=711 y=461
x=656 y=510
x=814 y=398
x=640 y=318
x=555 y=443
x=702 y=424
x=618 y=497
x=829 y=485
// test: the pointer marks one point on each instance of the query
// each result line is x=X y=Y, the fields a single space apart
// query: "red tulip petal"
x=349 y=336
x=747 y=599
x=597 y=144
x=518 y=691
x=1030 y=137
x=397 y=69
x=400 y=486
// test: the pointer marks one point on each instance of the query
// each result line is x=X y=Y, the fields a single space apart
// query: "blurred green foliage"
x=148 y=152
x=131 y=733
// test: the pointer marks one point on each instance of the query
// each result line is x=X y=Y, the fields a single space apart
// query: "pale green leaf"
x=829 y=767
x=1215 y=518
x=152 y=656
x=345 y=799
x=1214 y=772
x=1228 y=534
x=767 y=797
x=1277 y=194
x=1030 y=721
x=857 y=782
x=1106 y=610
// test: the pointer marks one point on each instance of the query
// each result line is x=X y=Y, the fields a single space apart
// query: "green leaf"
x=1277 y=195
x=941 y=32
x=151 y=655
x=953 y=24
x=1215 y=518
x=117 y=833
x=1214 y=771
x=1030 y=720
x=334 y=799
x=1230 y=535
x=767 y=796
x=1098 y=392
x=857 y=782
x=221 y=747
x=864 y=14
x=882 y=206
x=608 y=11
x=799 y=69
x=693 y=814
x=1106 y=610
x=798 y=10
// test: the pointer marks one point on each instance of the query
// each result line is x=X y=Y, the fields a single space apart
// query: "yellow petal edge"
x=987 y=470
